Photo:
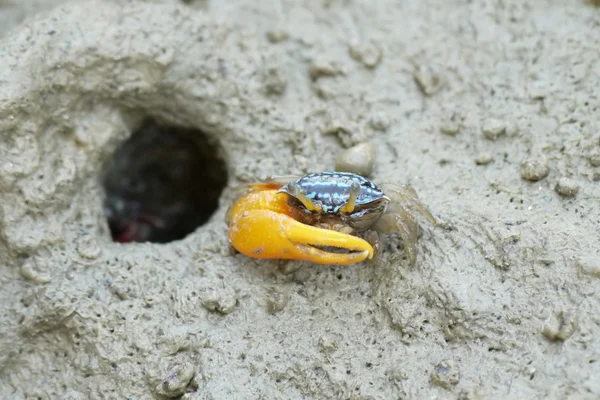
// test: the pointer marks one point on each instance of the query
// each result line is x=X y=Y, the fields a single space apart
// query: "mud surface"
x=489 y=109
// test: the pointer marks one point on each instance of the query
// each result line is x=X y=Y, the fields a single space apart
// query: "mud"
x=454 y=96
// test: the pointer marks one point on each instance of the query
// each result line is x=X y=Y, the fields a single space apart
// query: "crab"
x=311 y=218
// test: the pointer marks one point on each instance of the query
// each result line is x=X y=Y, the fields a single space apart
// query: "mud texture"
x=489 y=109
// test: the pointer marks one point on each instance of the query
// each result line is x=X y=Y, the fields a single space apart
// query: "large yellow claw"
x=260 y=226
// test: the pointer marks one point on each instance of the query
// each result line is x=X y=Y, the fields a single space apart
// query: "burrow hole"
x=162 y=183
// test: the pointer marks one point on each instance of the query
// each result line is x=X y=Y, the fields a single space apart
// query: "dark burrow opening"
x=162 y=183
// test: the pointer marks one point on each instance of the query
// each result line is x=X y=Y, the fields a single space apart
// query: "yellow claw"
x=260 y=226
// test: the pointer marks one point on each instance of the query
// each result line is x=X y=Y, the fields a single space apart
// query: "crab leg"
x=407 y=193
x=402 y=222
x=260 y=227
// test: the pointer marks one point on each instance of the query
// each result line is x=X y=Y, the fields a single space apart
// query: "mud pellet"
x=445 y=374
x=493 y=129
x=221 y=304
x=484 y=159
x=428 y=79
x=289 y=267
x=274 y=81
x=301 y=276
x=560 y=326
x=589 y=265
x=277 y=35
x=379 y=121
x=594 y=159
x=30 y=271
x=276 y=301
x=566 y=187
x=368 y=53
x=534 y=169
x=321 y=67
x=88 y=248
x=450 y=128
x=177 y=380
x=328 y=343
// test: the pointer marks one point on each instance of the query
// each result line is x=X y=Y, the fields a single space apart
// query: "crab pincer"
x=261 y=225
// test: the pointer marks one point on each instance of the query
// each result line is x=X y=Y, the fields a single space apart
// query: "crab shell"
x=329 y=192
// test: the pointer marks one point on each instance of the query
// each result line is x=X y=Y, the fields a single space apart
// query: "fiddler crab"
x=307 y=218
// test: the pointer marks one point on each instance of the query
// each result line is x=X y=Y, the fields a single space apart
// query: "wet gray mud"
x=488 y=109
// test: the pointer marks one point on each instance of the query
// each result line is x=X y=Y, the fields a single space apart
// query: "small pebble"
x=428 y=79
x=566 y=187
x=594 y=159
x=367 y=53
x=560 y=326
x=177 y=380
x=493 y=129
x=445 y=374
x=484 y=159
x=358 y=159
x=534 y=169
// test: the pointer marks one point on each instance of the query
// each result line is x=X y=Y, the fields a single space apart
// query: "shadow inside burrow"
x=162 y=183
